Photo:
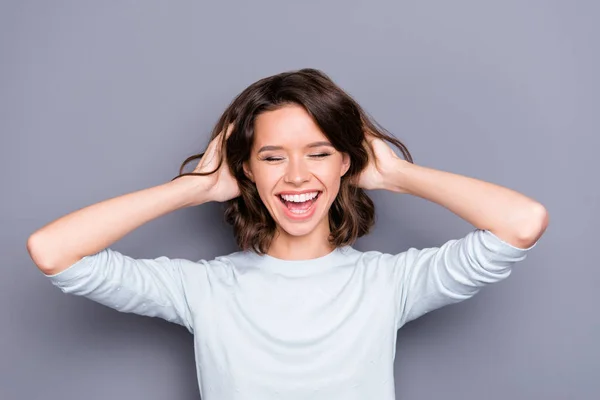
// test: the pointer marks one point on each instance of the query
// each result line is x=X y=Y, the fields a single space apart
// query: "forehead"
x=288 y=126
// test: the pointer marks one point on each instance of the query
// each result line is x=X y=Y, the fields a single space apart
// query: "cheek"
x=265 y=180
x=335 y=186
x=330 y=176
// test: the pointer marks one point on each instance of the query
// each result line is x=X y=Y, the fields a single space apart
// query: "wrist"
x=397 y=179
x=191 y=190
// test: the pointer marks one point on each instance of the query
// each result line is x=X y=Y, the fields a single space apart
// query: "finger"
x=229 y=130
x=384 y=149
x=227 y=134
x=378 y=145
x=369 y=147
x=369 y=136
x=217 y=144
x=209 y=155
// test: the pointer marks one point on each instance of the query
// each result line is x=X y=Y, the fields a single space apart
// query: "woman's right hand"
x=220 y=185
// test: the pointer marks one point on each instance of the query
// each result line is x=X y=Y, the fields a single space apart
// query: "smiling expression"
x=296 y=170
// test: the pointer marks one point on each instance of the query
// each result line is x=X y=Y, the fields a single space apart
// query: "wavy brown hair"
x=341 y=120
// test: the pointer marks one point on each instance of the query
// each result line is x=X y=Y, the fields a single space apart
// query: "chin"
x=297 y=231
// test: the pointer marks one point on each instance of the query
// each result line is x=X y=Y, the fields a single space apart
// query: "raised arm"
x=508 y=224
x=66 y=240
x=510 y=215
x=73 y=251
x=86 y=231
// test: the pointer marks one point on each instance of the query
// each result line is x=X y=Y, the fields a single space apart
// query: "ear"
x=345 y=164
x=247 y=171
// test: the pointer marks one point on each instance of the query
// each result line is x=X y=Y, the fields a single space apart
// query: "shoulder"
x=371 y=259
x=238 y=259
x=221 y=267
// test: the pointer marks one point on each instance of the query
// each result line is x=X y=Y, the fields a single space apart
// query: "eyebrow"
x=310 y=145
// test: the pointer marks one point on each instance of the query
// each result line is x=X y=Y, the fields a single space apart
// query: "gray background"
x=102 y=98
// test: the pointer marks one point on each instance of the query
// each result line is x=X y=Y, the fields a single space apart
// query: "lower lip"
x=300 y=216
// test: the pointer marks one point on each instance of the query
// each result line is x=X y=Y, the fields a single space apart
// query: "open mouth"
x=299 y=204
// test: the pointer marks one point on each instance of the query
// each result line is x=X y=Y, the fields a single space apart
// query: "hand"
x=381 y=171
x=220 y=185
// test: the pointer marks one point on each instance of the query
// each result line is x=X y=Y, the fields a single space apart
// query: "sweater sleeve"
x=430 y=278
x=149 y=287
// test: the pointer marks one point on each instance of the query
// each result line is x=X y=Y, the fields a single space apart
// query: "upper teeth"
x=299 y=198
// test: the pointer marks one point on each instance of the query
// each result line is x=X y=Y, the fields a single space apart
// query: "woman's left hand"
x=383 y=166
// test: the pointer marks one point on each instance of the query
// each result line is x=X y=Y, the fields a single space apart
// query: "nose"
x=296 y=172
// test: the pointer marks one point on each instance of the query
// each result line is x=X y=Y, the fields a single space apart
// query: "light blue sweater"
x=319 y=329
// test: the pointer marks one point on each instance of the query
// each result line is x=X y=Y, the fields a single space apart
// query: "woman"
x=297 y=313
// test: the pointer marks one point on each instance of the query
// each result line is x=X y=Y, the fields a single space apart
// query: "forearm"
x=64 y=241
x=512 y=216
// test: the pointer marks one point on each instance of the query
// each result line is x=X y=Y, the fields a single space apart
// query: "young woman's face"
x=296 y=170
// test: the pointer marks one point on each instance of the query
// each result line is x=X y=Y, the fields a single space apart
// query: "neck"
x=313 y=245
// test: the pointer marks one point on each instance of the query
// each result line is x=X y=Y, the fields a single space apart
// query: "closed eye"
x=317 y=156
